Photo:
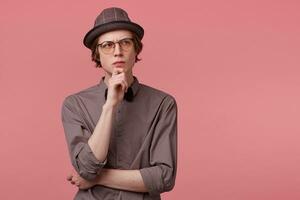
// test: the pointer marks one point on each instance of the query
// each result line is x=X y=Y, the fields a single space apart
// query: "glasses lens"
x=126 y=43
x=107 y=47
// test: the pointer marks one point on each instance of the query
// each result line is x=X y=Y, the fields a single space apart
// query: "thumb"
x=69 y=177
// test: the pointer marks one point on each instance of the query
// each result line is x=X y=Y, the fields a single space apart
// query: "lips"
x=118 y=62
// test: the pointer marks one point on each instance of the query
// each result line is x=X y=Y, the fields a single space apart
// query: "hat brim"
x=98 y=30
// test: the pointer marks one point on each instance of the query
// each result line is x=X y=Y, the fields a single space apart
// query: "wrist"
x=109 y=106
x=102 y=178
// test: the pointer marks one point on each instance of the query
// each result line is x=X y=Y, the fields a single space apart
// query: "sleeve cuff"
x=89 y=166
x=151 y=180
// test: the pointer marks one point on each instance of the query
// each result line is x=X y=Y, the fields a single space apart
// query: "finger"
x=119 y=70
x=74 y=179
x=119 y=79
x=116 y=71
x=116 y=84
x=69 y=177
x=118 y=75
x=124 y=86
x=119 y=83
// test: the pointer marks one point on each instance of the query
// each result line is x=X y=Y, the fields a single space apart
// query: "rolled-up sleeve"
x=77 y=135
x=160 y=177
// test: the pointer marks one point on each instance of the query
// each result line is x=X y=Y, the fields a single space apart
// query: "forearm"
x=130 y=180
x=99 y=140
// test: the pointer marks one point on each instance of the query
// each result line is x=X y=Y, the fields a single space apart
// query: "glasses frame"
x=114 y=45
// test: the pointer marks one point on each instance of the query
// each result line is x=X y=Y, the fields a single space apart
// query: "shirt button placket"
x=118 y=133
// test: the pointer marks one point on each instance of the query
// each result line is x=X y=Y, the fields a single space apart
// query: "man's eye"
x=107 y=45
x=126 y=42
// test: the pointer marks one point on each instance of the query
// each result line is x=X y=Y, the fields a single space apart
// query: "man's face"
x=125 y=54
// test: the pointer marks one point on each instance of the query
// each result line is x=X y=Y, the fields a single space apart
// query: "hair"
x=138 y=46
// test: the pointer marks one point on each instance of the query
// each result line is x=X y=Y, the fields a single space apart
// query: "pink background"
x=232 y=65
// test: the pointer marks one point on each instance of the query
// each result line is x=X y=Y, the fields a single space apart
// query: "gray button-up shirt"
x=144 y=137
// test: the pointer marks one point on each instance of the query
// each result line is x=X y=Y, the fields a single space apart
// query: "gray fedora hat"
x=111 y=19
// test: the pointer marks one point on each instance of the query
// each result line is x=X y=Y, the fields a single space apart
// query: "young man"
x=121 y=134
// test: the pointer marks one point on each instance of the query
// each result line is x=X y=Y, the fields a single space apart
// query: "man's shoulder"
x=86 y=93
x=156 y=94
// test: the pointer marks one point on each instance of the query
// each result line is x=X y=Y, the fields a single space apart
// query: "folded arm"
x=130 y=180
x=88 y=157
x=160 y=176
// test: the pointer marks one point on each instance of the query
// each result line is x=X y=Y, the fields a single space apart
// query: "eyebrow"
x=125 y=37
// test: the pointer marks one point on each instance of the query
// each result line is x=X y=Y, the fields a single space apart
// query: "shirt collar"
x=131 y=91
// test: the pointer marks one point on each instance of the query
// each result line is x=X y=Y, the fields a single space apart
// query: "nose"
x=117 y=50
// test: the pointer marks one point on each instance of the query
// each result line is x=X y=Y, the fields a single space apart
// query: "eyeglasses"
x=108 y=47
